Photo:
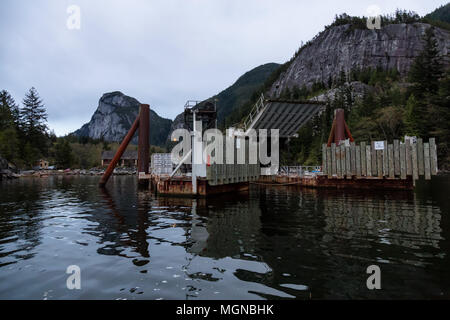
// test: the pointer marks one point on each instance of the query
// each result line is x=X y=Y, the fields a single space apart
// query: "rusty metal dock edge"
x=182 y=186
x=366 y=183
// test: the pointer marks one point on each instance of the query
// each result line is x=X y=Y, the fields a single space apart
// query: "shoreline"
x=9 y=175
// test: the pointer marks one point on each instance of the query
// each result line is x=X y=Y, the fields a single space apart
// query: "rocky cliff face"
x=342 y=48
x=114 y=116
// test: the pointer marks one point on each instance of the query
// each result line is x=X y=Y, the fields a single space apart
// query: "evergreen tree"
x=29 y=154
x=33 y=120
x=425 y=75
x=9 y=144
x=427 y=68
x=441 y=127
x=9 y=111
x=63 y=154
x=9 y=114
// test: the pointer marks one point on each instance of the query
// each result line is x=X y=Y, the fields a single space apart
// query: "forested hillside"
x=406 y=88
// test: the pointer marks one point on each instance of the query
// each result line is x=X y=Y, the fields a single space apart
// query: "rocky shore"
x=8 y=174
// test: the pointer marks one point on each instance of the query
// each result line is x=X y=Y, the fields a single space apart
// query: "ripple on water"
x=281 y=243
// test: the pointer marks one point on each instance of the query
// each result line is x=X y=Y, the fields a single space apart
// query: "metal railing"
x=259 y=105
x=299 y=171
x=191 y=103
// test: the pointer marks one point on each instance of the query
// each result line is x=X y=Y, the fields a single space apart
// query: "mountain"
x=114 y=116
x=242 y=90
x=440 y=14
x=368 y=73
x=235 y=95
x=344 y=48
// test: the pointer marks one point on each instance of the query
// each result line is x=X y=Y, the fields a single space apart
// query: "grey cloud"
x=160 y=52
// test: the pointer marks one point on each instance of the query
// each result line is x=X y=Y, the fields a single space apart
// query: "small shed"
x=128 y=159
x=41 y=164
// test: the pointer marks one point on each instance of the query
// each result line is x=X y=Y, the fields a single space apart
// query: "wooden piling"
x=396 y=161
x=408 y=158
x=415 y=168
x=333 y=159
x=391 y=161
x=374 y=160
x=348 y=172
x=380 y=163
x=353 y=158
x=402 y=161
x=338 y=162
x=358 y=160
x=363 y=159
x=324 y=159
x=426 y=158
x=329 y=170
x=385 y=160
x=368 y=161
x=396 y=157
x=420 y=157
x=433 y=156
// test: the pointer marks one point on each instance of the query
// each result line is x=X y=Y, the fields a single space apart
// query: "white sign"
x=379 y=145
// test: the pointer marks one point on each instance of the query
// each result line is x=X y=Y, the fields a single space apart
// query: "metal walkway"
x=286 y=115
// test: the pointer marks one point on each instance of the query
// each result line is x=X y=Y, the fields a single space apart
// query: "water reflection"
x=276 y=242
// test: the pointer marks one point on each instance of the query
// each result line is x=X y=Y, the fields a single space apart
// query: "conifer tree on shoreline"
x=33 y=126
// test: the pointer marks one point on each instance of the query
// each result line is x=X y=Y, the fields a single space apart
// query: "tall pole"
x=143 y=142
x=339 y=129
x=119 y=153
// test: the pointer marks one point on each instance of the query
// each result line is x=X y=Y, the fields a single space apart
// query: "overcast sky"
x=161 y=52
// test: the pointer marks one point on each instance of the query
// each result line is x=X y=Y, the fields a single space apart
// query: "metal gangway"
x=286 y=115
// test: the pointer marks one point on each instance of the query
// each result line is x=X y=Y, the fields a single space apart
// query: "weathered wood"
x=433 y=156
x=363 y=159
x=402 y=161
x=426 y=160
x=348 y=170
x=396 y=157
x=391 y=161
x=353 y=158
x=408 y=158
x=415 y=168
x=420 y=162
x=324 y=158
x=380 y=163
x=368 y=161
x=329 y=170
x=338 y=162
x=385 y=160
x=374 y=160
x=358 y=161
x=333 y=159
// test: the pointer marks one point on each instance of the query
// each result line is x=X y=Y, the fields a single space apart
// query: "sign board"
x=379 y=145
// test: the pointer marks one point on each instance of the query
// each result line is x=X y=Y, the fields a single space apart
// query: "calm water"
x=273 y=243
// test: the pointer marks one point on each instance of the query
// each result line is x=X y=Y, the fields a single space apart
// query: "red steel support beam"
x=119 y=153
x=143 y=144
x=339 y=129
x=347 y=131
x=331 y=136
